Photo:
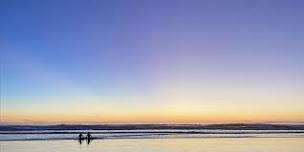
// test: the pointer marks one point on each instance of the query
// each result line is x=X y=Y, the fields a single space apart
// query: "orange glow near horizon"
x=152 y=118
x=175 y=110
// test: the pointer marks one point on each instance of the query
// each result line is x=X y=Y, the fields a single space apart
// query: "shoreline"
x=225 y=137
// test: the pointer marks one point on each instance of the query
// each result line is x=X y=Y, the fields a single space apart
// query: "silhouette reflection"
x=88 y=141
x=80 y=141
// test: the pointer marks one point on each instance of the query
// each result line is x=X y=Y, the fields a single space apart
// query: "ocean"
x=153 y=137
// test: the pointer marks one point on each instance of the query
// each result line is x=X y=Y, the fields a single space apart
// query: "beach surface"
x=159 y=145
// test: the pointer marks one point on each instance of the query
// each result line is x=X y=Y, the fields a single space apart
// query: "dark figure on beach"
x=89 y=137
x=80 y=138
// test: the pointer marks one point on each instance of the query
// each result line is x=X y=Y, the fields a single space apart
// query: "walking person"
x=80 y=138
x=89 y=136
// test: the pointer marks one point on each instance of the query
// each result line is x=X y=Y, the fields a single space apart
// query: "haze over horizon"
x=152 y=61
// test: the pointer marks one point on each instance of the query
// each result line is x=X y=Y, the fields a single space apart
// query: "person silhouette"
x=80 y=138
x=89 y=136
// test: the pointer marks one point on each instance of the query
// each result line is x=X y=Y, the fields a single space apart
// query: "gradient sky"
x=176 y=61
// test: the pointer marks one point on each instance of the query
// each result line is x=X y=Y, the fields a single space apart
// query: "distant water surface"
x=144 y=131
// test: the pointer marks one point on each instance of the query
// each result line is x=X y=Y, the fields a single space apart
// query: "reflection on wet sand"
x=159 y=145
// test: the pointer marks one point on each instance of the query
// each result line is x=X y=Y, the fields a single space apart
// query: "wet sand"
x=159 y=145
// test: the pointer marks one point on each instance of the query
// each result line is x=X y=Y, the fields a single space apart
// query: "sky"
x=152 y=61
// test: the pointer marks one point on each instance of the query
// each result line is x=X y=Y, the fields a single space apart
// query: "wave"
x=144 y=136
x=130 y=131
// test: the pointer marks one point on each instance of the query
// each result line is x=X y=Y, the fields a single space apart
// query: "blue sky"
x=146 y=54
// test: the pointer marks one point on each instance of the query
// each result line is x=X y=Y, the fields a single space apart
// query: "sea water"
x=153 y=138
x=147 y=133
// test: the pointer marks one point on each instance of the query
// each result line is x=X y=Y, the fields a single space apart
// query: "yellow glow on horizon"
x=181 y=108
x=151 y=117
